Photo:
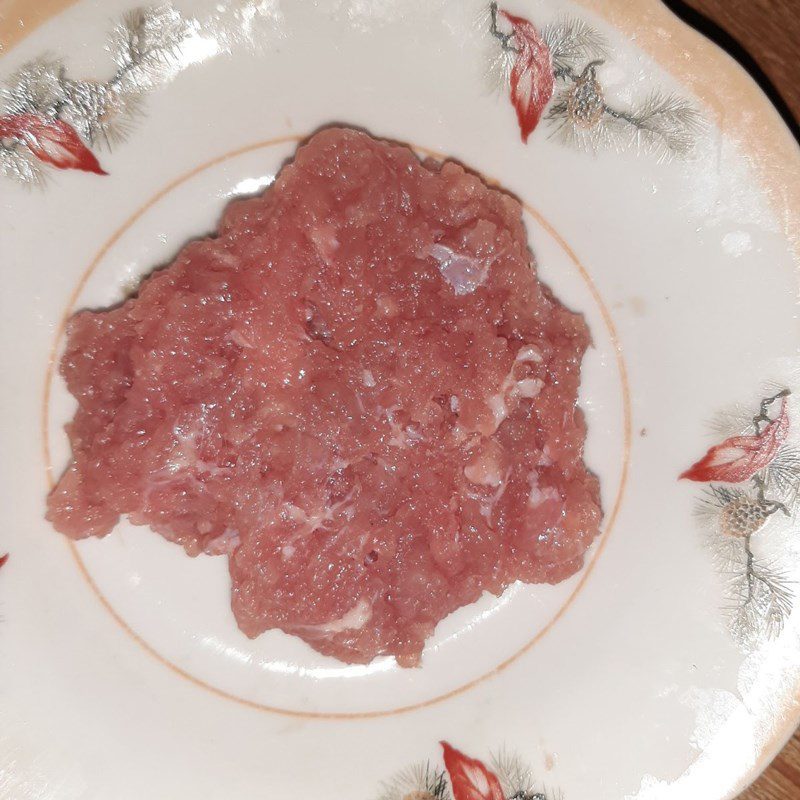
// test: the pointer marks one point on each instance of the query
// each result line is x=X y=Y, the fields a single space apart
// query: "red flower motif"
x=532 y=79
x=50 y=140
x=738 y=458
x=470 y=779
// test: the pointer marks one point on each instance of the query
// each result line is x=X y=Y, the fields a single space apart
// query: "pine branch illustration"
x=572 y=43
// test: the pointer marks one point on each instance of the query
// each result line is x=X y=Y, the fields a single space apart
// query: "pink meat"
x=358 y=390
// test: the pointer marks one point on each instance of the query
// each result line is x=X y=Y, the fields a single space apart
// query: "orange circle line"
x=115 y=237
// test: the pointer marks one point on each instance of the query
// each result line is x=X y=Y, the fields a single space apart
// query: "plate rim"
x=758 y=130
x=773 y=154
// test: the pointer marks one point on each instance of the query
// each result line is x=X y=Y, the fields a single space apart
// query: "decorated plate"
x=660 y=193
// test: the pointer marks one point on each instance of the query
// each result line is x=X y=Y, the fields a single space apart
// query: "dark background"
x=764 y=36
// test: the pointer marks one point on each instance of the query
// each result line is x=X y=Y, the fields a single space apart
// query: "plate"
x=660 y=191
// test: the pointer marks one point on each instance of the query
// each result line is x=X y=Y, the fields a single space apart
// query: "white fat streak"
x=398 y=438
x=323 y=237
x=529 y=353
x=545 y=458
x=401 y=437
x=184 y=453
x=287 y=551
x=226 y=258
x=528 y=388
x=497 y=405
x=368 y=379
x=480 y=475
x=355 y=619
x=226 y=542
x=510 y=388
x=537 y=496
x=312 y=522
x=185 y=456
x=464 y=273
x=488 y=508
x=237 y=338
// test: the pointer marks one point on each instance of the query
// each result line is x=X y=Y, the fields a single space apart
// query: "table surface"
x=768 y=32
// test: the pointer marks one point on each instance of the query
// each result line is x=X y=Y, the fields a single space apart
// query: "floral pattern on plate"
x=466 y=778
x=753 y=479
x=52 y=120
x=560 y=63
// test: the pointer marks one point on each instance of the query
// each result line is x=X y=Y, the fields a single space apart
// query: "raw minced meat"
x=357 y=390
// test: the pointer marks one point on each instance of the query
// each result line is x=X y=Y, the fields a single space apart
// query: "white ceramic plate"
x=661 y=194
